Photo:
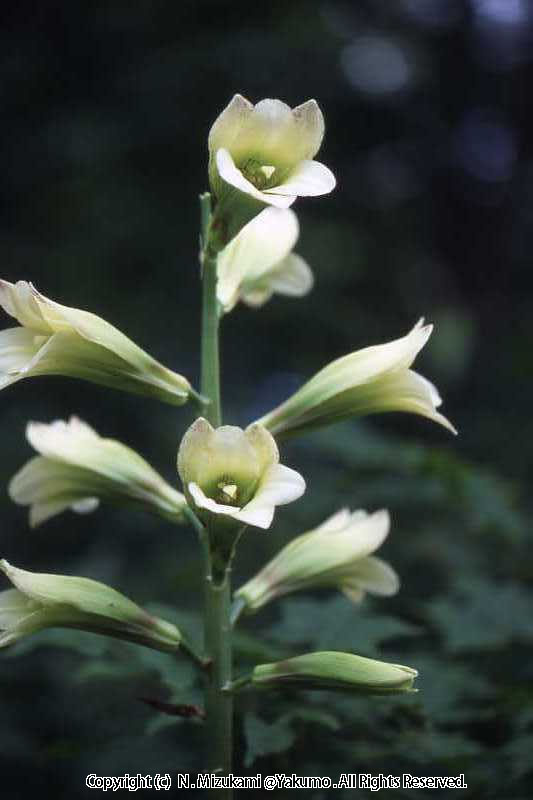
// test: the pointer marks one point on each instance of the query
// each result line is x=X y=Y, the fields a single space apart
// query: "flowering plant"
x=261 y=158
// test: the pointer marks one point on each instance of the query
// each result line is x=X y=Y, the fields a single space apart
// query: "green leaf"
x=265 y=738
x=481 y=614
x=337 y=624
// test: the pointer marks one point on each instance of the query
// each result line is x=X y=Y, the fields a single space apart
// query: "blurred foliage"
x=106 y=112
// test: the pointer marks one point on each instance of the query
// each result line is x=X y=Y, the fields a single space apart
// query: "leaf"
x=448 y=691
x=481 y=614
x=336 y=624
x=264 y=738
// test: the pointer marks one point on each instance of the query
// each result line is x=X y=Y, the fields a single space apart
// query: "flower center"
x=227 y=491
x=259 y=174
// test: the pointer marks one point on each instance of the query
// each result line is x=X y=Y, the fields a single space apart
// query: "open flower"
x=258 y=261
x=334 y=670
x=266 y=151
x=77 y=468
x=336 y=554
x=236 y=474
x=58 y=340
x=41 y=601
x=368 y=381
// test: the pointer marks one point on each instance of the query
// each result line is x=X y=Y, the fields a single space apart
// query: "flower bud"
x=265 y=151
x=58 y=340
x=41 y=601
x=372 y=380
x=234 y=473
x=336 y=554
x=77 y=468
x=258 y=262
x=333 y=670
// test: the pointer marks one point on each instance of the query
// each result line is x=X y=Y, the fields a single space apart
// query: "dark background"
x=106 y=111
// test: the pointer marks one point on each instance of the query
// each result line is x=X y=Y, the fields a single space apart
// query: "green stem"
x=210 y=379
x=219 y=704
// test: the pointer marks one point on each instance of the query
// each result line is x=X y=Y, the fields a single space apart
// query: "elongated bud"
x=333 y=670
x=41 y=600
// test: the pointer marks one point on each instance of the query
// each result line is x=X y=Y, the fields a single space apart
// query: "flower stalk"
x=217 y=631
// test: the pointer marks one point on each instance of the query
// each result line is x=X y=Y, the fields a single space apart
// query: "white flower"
x=266 y=151
x=58 y=340
x=236 y=474
x=336 y=554
x=41 y=601
x=368 y=381
x=258 y=261
x=77 y=467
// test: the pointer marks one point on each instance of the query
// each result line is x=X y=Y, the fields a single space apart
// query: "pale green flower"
x=41 y=601
x=259 y=261
x=76 y=468
x=266 y=151
x=334 y=670
x=372 y=380
x=236 y=474
x=336 y=554
x=58 y=340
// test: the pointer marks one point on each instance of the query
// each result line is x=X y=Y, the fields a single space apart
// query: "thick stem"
x=219 y=704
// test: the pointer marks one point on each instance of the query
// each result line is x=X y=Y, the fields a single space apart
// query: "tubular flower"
x=77 y=467
x=236 y=474
x=57 y=340
x=372 y=380
x=258 y=261
x=334 y=670
x=266 y=151
x=336 y=554
x=41 y=601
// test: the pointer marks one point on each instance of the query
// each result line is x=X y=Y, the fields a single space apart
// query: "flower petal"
x=279 y=485
x=17 y=348
x=229 y=173
x=309 y=124
x=258 y=247
x=307 y=179
x=293 y=277
x=228 y=125
x=371 y=575
x=201 y=501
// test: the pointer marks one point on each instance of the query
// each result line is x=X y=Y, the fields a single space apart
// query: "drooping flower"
x=41 y=601
x=259 y=261
x=334 y=670
x=336 y=554
x=77 y=468
x=57 y=340
x=235 y=474
x=373 y=380
x=267 y=151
